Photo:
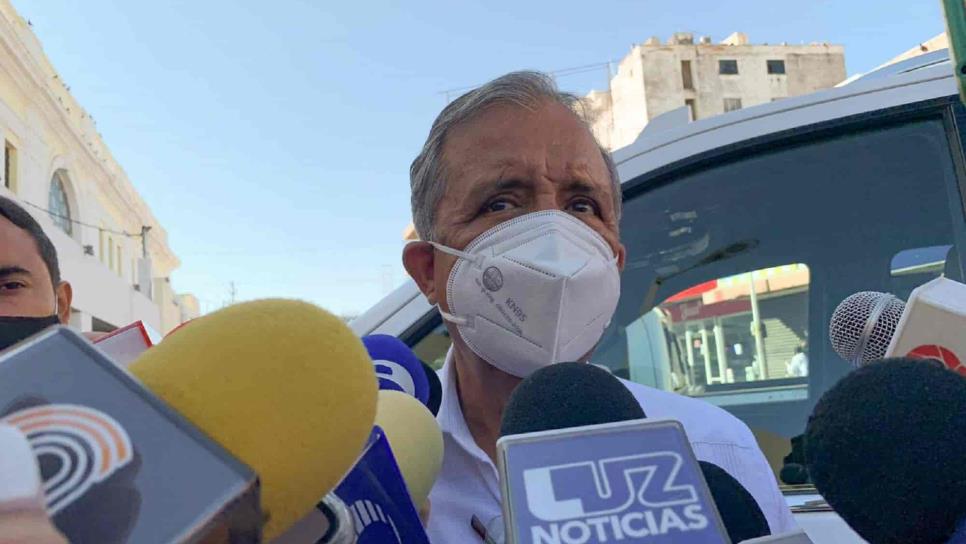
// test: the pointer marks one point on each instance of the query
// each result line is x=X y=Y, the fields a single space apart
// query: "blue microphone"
x=397 y=367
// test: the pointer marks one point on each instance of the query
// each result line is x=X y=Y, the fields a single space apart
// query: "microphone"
x=283 y=385
x=869 y=326
x=415 y=439
x=565 y=395
x=117 y=464
x=578 y=463
x=435 y=389
x=387 y=485
x=886 y=449
x=740 y=513
x=120 y=465
x=397 y=367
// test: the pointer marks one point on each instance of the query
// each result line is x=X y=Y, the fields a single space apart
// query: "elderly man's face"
x=508 y=162
x=25 y=285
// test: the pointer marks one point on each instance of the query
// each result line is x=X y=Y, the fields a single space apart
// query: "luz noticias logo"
x=611 y=500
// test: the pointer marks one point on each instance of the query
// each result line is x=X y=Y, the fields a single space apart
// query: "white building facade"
x=709 y=79
x=57 y=166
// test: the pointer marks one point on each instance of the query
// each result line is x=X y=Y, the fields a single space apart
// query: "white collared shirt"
x=468 y=483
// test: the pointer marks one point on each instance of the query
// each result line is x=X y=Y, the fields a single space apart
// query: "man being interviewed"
x=517 y=207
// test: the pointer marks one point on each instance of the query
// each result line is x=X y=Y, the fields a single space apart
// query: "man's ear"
x=64 y=294
x=419 y=258
x=621 y=257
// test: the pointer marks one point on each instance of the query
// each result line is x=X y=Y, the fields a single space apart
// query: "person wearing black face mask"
x=32 y=294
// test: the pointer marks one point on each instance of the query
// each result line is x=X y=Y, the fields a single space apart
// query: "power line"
x=81 y=223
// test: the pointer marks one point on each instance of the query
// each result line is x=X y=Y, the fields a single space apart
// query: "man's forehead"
x=508 y=136
x=17 y=247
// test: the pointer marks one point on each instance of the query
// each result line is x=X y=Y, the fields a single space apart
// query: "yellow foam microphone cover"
x=283 y=385
x=415 y=440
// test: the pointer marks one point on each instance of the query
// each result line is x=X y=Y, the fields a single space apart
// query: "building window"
x=732 y=104
x=686 y=78
x=776 y=67
x=9 y=166
x=120 y=261
x=110 y=253
x=102 y=251
x=58 y=205
x=728 y=67
x=692 y=111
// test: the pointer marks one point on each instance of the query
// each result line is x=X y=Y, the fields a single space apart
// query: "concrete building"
x=934 y=44
x=655 y=78
x=58 y=167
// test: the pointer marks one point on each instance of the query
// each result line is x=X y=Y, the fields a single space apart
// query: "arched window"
x=58 y=205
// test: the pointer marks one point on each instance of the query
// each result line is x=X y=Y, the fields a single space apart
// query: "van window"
x=734 y=269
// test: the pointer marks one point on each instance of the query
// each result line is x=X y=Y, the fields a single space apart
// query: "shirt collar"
x=451 y=419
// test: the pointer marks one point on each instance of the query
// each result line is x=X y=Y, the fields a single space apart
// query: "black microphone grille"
x=740 y=513
x=863 y=325
x=565 y=395
x=885 y=447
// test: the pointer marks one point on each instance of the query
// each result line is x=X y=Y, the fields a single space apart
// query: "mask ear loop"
x=475 y=259
x=455 y=319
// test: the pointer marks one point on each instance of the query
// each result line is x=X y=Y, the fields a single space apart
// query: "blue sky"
x=273 y=139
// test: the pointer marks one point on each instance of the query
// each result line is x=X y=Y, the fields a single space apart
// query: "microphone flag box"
x=932 y=325
x=126 y=344
x=630 y=482
x=377 y=497
x=118 y=465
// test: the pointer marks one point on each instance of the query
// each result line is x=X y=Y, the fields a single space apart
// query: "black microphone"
x=886 y=448
x=567 y=395
x=573 y=406
x=435 y=389
x=741 y=515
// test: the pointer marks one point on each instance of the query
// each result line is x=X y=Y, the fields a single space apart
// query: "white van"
x=745 y=230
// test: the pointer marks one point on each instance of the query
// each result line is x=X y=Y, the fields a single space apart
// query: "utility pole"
x=232 y=292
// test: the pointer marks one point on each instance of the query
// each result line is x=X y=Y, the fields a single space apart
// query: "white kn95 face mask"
x=536 y=290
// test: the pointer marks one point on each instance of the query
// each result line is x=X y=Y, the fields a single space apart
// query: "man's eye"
x=498 y=205
x=583 y=206
x=11 y=286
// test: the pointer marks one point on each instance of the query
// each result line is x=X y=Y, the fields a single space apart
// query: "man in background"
x=32 y=294
x=798 y=366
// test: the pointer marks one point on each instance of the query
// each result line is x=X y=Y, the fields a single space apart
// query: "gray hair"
x=525 y=89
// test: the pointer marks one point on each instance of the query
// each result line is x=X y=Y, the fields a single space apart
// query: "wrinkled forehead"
x=550 y=137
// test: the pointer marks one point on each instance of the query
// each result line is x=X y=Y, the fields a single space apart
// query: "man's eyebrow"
x=12 y=270
x=583 y=187
x=486 y=189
